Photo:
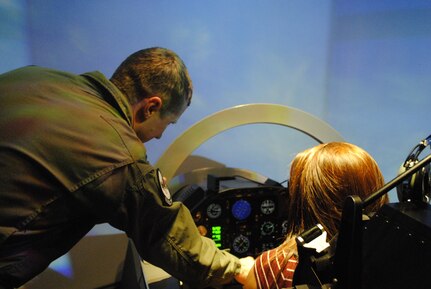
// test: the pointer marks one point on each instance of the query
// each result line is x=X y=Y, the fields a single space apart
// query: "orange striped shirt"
x=274 y=268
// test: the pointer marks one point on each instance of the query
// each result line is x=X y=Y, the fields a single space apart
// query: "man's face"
x=154 y=126
x=148 y=123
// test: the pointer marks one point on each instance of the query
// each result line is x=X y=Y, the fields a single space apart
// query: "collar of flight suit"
x=114 y=94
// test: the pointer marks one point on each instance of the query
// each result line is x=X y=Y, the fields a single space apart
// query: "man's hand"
x=246 y=265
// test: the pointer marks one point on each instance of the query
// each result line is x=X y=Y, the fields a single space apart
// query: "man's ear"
x=145 y=108
x=154 y=104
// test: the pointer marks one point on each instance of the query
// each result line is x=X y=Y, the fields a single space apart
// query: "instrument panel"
x=240 y=215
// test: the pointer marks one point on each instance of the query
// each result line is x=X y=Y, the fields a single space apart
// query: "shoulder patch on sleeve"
x=163 y=188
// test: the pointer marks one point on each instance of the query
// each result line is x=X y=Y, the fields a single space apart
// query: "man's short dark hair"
x=155 y=71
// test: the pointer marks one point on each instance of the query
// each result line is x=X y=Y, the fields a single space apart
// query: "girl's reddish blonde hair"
x=320 y=180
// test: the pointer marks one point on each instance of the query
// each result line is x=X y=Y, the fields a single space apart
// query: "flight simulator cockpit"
x=243 y=212
x=239 y=209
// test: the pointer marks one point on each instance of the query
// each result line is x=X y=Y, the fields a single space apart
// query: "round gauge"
x=241 y=210
x=241 y=244
x=267 y=207
x=267 y=228
x=214 y=210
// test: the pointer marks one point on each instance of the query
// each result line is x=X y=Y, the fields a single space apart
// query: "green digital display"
x=216 y=235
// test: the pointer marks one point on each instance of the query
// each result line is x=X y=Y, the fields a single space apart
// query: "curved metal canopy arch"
x=240 y=115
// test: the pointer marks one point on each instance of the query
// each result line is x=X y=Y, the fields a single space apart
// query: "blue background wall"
x=361 y=66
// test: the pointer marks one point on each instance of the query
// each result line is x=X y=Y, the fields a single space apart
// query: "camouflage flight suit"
x=69 y=159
